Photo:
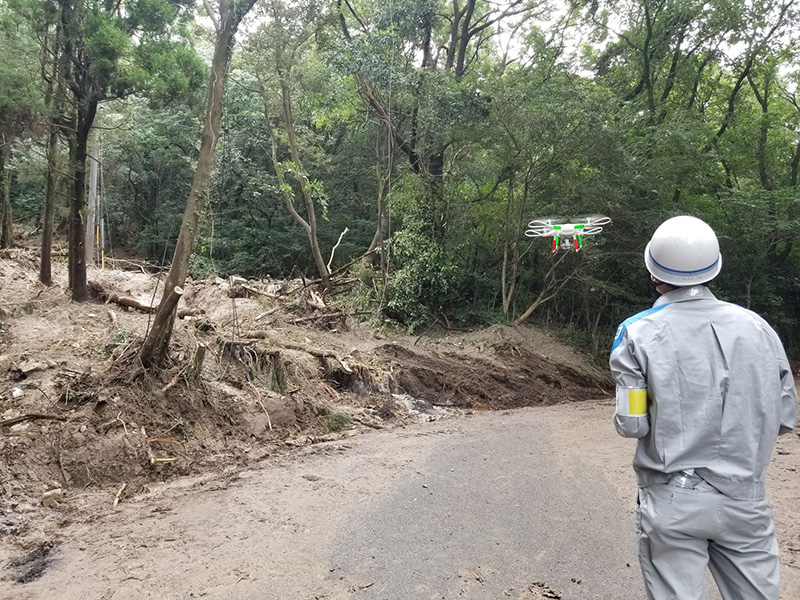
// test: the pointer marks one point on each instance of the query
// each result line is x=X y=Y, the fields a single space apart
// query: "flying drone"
x=567 y=235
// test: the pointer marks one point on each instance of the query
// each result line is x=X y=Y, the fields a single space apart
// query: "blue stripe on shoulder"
x=630 y=320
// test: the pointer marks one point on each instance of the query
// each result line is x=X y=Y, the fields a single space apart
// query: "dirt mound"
x=507 y=377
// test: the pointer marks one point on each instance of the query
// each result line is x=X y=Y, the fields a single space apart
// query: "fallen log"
x=143 y=266
x=315 y=301
x=97 y=291
x=258 y=334
x=332 y=315
x=249 y=338
x=131 y=302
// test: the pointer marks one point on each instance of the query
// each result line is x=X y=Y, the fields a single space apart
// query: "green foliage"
x=200 y=266
x=708 y=125
x=147 y=169
x=123 y=336
x=112 y=56
x=424 y=280
x=336 y=422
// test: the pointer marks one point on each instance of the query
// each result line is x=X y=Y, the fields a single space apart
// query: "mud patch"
x=507 y=377
x=31 y=566
x=9 y=524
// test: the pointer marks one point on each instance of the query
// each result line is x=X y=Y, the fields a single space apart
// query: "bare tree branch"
x=211 y=14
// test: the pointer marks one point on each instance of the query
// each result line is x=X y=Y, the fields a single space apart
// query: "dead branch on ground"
x=267 y=313
x=256 y=292
x=118 y=497
x=31 y=417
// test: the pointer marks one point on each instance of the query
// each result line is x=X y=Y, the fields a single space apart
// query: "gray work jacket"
x=719 y=391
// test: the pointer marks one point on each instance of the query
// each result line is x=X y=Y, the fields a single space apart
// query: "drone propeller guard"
x=567 y=234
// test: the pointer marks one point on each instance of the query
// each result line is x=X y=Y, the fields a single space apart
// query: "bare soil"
x=281 y=372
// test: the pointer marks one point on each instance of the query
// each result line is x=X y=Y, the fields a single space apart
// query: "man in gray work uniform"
x=706 y=387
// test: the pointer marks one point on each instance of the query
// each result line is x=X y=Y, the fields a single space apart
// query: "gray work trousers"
x=681 y=531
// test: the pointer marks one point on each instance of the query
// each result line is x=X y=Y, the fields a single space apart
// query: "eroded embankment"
x=281 y=371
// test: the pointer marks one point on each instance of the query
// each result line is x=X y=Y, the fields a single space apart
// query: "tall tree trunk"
x=509 y=282
x=506 y=290
x=45 y=269
x=434 y=181
x=6 y=227
x=381 y=229
x=384 y=193
x=763 y=101
x=53 y=102
x=154 y=348
x=71 y=154
x=77 y=208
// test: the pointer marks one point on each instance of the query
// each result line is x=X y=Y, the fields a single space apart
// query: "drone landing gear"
x=566 y=243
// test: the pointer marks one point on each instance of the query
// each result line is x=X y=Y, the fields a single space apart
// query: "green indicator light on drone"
x=556 y=226
x=579 y=226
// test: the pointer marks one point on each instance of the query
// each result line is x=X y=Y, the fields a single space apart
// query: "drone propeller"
x=538 y=229
x=591 y=230
x=543 y=226
x=550 y=220
x=595 y=219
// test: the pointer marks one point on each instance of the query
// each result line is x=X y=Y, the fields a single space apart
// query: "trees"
x=108 y=53
x=52 y=67
x=434 y=140
x=275 y=51
x=226 y=19
x=20 y=102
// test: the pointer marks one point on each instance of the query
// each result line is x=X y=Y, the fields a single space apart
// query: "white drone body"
x=567 y=235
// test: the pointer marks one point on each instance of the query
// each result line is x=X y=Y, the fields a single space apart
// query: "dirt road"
x=526 y=504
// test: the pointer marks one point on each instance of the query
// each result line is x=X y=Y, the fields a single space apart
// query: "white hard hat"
x=683 y=251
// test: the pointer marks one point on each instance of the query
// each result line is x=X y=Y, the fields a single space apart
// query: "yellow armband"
x=631 y=402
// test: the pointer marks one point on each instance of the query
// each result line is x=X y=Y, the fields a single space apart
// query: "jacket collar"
x=684 y=294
